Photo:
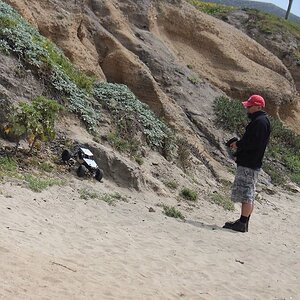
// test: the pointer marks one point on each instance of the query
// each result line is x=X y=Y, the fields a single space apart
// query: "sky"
x=284 y=4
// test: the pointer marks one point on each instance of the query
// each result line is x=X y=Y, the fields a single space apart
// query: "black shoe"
x=237 y=226
x=230 y=223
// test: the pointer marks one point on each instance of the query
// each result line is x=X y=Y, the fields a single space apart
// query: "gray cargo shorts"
x=243 y=189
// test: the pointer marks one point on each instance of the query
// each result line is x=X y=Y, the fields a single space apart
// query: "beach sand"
x=57 y=245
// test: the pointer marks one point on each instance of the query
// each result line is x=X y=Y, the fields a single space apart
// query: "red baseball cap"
x=254 y=100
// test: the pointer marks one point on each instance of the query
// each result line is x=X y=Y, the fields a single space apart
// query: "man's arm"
x=254 y=137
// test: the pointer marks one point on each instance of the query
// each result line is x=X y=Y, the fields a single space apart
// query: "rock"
x=151 y=209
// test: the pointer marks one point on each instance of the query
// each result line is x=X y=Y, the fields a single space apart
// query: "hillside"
x=262 y=6
x=153 y=89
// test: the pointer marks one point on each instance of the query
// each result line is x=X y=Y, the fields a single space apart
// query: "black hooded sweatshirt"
x=251 y=147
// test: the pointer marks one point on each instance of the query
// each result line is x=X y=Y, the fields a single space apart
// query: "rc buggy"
x=84 y=160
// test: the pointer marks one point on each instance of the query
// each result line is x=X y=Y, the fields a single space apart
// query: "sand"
x=56 y=245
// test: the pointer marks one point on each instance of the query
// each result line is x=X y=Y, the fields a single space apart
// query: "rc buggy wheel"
x=65 y=156
x=99 y=174
x=81 y=171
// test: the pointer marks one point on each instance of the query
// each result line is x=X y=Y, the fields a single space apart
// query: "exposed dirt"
x=149 y=44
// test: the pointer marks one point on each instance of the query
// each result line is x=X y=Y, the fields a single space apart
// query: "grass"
x=87 y=194
x=57 y=58
x=172 y=184
x=38 y=184
x=172 y=212
x=266 y=23
x=46 y=166
x=222 y=200
x=119 y=143
x=271 y=24
x=189 y=194
x=111 y=198
x=211 y=8
x=8 y=165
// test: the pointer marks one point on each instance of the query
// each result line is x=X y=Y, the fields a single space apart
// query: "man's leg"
x=247 y=208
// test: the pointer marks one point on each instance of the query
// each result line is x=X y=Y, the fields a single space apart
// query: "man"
x=250 y=151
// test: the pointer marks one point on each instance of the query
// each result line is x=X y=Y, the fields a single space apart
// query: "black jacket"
x=251 y=148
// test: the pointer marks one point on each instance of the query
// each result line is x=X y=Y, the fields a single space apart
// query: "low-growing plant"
x=118 y=142
x=211 y=8
x=87 y=194
x=9 y=167
x=19 y=38
x=111 y=198
x=46 y=166
x=172 y=212
x=276 y=174
x=271 y=24
x=172 y=184
x=38 y=184
x=222 y=200
x=130 y=114
x=139 y=159
x=8 y=164
x=189 y=194
x=193 y=79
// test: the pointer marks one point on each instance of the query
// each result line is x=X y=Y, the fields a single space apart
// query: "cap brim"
x=246 y=104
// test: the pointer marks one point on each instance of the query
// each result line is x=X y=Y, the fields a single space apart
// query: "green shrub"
x=189 y=194
x=118 y=142
x=35 y=120
x=221 y=200
x=230 y=115
x=139 y=159
x=172 y=212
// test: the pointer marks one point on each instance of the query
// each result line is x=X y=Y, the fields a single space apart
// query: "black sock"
x=249 y=218
x=243 y=219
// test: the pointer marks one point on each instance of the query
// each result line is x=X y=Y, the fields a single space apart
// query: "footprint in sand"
x=3 y=250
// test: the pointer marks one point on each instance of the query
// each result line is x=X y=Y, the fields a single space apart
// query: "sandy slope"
x=55 y=245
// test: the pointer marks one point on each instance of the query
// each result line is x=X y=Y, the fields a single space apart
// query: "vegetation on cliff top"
x=265 y=22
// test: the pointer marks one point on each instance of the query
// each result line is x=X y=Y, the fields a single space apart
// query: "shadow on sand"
x=207 y=226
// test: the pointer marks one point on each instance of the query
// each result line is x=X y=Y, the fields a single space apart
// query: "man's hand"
x=233 y=146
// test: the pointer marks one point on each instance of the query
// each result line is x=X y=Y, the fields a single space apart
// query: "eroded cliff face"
x=173 y=57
